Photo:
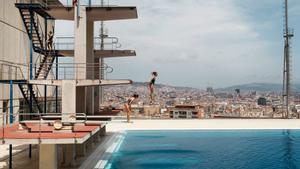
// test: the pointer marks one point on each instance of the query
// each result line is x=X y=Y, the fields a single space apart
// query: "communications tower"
x=288 y=34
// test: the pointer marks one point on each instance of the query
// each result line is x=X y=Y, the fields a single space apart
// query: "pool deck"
x=209 y=124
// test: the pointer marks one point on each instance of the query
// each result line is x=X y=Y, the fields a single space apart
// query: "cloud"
x=196 y=42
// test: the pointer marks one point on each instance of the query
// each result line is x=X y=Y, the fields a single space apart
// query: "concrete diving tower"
x=55 y=10
x=80 y=96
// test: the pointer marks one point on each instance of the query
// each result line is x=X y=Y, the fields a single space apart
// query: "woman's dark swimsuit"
x=152 y=82
x=129 y=101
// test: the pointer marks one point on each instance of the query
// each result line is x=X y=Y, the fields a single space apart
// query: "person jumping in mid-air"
x=151 y=86
x=128 y=105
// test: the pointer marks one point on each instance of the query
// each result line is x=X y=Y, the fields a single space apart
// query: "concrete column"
x=84 y=57
x=80 y=41
x=96 y=137
x=2 y=116
x=90 y=68
x=80 y=150
x=96 y=89
x=68 y=99
x=90 y=143
x=48 y=156
x=80 y=100
x=103 y=131
x=69 y=155
x=16 y=109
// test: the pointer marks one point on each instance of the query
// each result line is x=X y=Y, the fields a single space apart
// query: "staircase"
x=37 y=37
x=38 y=44
x=45 y=66
x=26 y=90
x=30 y=14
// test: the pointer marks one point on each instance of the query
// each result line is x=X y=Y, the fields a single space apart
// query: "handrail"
x=66 y=70
x=108 y=69
x=11 y=65
x=65 y=43
x=71 y=71
x=32 y=1
x=65 y=3
x=39 y=26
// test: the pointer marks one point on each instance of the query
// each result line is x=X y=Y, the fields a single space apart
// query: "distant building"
x=238 y=91
x=186 y=112
x=151 y=111
x=209 y=90
x=253 y=93
x=262 y=101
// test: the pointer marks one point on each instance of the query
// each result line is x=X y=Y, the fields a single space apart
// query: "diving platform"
x=35 y=133
x=100 y=53
x=80 y=83
x=94 y=13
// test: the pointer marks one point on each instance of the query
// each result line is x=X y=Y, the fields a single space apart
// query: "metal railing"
x=67 y=43
x=80 y=71
x=66 y=71
x=11 y=71
x=65 y=3
x=41 y=2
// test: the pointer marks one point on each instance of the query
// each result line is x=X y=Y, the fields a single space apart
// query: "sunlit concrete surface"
x=212 y=124
x=20 y=157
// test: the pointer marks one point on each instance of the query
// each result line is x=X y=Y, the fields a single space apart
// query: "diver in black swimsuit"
x=151 y=86
x=128 y=105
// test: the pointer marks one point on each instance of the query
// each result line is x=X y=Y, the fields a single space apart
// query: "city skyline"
x=204 y=43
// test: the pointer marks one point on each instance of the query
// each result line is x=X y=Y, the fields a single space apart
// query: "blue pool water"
x=249 y=149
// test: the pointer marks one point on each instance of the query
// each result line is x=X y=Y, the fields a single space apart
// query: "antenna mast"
x=102 y=36
x=288 y=34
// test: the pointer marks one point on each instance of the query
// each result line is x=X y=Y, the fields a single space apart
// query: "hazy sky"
x=198 y=43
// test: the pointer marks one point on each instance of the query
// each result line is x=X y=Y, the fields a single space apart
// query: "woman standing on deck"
x=128 y=105
x=151 y=86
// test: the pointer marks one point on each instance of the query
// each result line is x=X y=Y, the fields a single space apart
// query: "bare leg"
x=51 y=47
x=151 y=88
x=127 y=108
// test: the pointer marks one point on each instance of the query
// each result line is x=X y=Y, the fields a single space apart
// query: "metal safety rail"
x=11 y=71
x=79 y=71
x=19 y=74
x=44 y=3
x=67 y=43
x=66 y=71
x=65 y=3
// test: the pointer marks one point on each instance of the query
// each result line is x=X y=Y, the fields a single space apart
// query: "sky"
x=200 y=43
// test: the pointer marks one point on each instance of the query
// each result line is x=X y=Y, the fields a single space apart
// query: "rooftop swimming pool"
x=251 y=149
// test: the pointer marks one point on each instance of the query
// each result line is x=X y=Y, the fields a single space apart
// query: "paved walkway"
x=20 y=157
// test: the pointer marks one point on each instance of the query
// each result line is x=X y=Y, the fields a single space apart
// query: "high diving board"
x=57 y=11
x=101 y=53
x=95 y=13
x=81 y=83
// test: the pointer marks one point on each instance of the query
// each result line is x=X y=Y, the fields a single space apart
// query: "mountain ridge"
x=261 y=87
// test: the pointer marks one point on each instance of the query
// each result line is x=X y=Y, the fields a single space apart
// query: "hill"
x=262 y=87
